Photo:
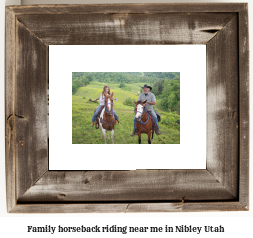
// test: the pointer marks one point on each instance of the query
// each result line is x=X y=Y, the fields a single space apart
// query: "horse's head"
x=109 y=102
x=139 y=107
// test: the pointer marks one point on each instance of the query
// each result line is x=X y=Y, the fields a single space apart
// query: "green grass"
x=82 y=112
x=129 y=88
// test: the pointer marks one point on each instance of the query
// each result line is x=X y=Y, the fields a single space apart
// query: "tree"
x=171 y=95
x=89 y=77
x=75 y=85
x=122 y=85
x=129 y=102
x=84 y=81
x=158 y=86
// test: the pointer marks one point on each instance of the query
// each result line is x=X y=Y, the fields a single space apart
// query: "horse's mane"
x=138 y=102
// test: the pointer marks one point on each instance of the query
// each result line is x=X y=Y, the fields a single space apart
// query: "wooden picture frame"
x=222 y=186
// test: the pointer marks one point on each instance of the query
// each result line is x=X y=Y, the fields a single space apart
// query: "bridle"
x=142 y=116
x=112 y=113
x=105 y=105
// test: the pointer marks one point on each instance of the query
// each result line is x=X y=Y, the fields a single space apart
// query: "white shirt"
x=101 y=99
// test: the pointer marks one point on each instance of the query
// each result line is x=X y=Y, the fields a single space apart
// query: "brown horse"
x=106 y=118
x=143 y=121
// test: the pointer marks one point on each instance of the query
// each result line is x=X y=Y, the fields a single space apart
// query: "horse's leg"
x=101 y=133
x=152 y=130
x=104 y=132
x=112 y=136
x=149 y=134
x=108 y=135
x=152 y=136
x=139 y=134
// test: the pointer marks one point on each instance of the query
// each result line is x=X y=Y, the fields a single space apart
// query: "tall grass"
x=82 y=112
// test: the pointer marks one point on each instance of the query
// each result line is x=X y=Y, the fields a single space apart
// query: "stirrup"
x=158 y=132
x=134 y=133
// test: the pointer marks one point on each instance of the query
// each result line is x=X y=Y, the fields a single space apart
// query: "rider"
x=102 y=102
x=151 y=100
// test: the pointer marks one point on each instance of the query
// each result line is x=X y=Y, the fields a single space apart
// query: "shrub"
x=129 y=102
x=122 y=85
x=127 y=89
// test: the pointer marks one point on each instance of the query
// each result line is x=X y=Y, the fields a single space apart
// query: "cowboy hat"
x=147 y=86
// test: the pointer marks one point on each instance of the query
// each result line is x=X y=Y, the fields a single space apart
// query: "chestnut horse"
x=106 y=118
x=143 y=121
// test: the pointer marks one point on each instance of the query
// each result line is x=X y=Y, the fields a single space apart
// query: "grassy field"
x=82 y=112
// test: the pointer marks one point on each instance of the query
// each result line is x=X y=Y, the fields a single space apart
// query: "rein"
x=109 y=123
x=108 y=104
x=112 y=113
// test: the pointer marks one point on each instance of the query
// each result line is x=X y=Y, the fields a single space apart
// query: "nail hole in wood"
x=61 y=195
x=86 y=181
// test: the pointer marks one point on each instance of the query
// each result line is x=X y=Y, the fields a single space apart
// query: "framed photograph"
x=80 y=95
x=166 y=86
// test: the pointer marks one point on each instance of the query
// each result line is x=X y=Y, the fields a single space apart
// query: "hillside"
x=127 y=77
x=82 y=111
x=165 y=85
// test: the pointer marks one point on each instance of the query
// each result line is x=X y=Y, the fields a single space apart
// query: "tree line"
x=125 y=77
x=169 y=92
x=166 y=85
x=79 y=81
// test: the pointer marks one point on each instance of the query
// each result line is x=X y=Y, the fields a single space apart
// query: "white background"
x=238 y=224
x=189 y=60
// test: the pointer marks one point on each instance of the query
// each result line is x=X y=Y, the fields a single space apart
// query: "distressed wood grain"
x=244 y=106
x=30 y=108
x=133 y=29
x=129 y=207
x=186 y=207
x=223 y=107
x=139 y=185
x=10 y=60
x=148 y=8
x=223 y=186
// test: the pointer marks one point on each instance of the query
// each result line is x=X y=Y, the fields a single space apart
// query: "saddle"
x=157 y=114
x=158 y=118
x=97 y=122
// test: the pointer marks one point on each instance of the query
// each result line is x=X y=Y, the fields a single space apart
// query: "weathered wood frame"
x=223 y=186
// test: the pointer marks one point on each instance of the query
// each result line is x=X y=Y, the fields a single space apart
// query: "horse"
x=106 y=118
x=143 y=121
